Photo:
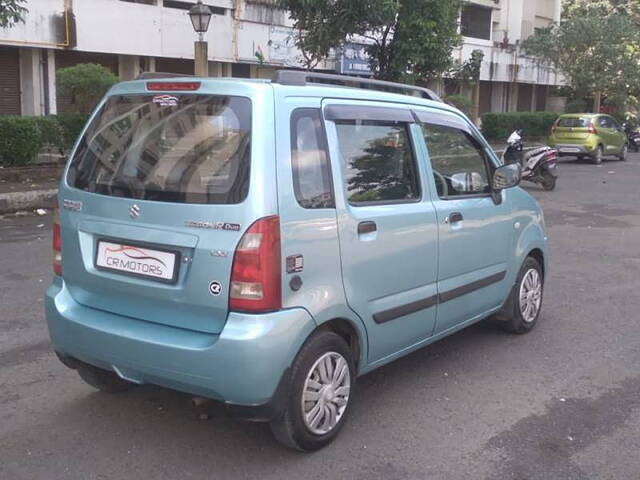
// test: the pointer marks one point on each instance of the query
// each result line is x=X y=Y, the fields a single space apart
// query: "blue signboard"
x=354 y=60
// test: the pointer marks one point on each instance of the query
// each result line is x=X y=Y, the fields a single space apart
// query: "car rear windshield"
x=574 y=122
x=169 y=148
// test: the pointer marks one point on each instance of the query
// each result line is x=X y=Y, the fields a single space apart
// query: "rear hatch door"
x=156 y=198
x=572 y=129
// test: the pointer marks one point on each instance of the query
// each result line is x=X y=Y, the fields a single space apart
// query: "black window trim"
x=488 y=163
x=414 y=155
x=322 y=143
x=367 y=112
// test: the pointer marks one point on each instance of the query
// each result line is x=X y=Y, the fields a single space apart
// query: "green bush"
x=85 y=84
x=50 y=131
x=22 y=138
x=462 y=103
x=71 y=125
x=533 y=124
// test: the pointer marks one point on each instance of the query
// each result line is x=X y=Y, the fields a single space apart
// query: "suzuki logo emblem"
x=134 y=211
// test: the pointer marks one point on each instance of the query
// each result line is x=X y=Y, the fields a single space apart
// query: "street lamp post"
x=200 y=16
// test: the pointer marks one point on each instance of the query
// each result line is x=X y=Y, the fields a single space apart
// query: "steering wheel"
x=439 y=178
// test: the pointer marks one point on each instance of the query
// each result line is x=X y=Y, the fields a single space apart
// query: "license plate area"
x=127 y=258
x=569 y=150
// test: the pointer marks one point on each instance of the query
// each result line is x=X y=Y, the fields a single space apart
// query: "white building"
x=247 y=38
x=509 y=81
x=129 y=36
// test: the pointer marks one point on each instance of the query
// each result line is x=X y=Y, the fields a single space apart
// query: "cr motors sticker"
x=165 y=100
x=146 y=262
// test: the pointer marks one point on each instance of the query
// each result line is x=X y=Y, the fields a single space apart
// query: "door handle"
x=454 y=217
x=367 y=227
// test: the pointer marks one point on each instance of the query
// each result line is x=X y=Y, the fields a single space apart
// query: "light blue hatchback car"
x=264 y=243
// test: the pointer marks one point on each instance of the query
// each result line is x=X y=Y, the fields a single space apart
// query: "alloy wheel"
x=325 y=394
x=530 y=295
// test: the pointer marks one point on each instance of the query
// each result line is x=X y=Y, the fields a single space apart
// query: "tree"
x=12 y=12
x=85 y=84
x=417 y=41
x=409 y=39
x=321 y=25
x=597 y=52
x=467 y=73
x=600 y=7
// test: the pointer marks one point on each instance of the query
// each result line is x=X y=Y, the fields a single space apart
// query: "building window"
x=187 y=6
x=475 y=22
x=143 y=2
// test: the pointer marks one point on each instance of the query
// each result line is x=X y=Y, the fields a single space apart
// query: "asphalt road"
x=562 y=402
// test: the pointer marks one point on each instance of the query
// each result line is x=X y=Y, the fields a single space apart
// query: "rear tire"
x=324 y=372
x=525 y=299
x=597 y=157
x=548 y=181
x=103 y=380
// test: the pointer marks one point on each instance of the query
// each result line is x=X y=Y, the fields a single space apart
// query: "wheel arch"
x=532 y=242
x=539 y=256
x=350 y=333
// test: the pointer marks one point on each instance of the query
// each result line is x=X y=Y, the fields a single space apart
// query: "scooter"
x=633 y=137
x=539 y=165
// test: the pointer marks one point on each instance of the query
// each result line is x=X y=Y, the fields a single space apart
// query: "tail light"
x=551 y=156
x=256 y=275
x=592 y=129
x=173 y=86
x=57 y=244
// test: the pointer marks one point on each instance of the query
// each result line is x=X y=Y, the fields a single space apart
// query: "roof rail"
x=300 y=78
x=156 y=75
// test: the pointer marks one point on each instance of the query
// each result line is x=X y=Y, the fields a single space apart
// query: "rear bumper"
x=244 y=366
x=573 y=149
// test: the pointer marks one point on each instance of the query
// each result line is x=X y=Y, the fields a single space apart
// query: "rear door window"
x=378 y=161
x=169 y=148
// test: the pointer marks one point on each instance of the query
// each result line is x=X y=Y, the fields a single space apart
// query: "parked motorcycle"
x=633 y=137
x=539 y=165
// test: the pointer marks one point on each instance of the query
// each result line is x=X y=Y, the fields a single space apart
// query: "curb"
x=30 y=200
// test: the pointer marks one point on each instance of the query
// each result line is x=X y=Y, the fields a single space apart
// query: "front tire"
x=623 y=155
x=103 y=380
x=322 y=384
x=526 y=298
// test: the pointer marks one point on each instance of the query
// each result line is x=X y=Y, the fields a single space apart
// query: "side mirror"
x=506 y=176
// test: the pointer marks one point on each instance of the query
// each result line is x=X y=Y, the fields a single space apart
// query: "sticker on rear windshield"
x=165 y=100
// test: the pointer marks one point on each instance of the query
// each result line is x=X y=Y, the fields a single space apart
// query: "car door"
x=386 y=222
x=475 y=227
x=607 y=132
x=620 y=135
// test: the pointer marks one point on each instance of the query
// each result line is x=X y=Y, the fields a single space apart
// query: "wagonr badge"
x=234 y=227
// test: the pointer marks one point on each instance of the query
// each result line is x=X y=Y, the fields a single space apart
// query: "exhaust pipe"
x=198 y=401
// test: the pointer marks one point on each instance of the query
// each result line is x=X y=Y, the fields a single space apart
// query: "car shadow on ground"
x=155 y=422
